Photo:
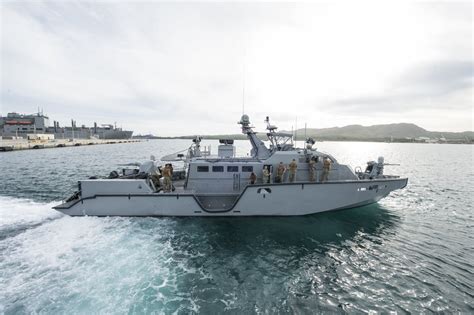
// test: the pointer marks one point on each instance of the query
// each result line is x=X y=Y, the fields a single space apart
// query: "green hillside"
x=401 y=132
x=389 y=131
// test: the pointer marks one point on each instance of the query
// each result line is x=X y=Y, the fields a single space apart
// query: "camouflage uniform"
x=167 y=184
x=155 y=178
x=280 y=171
x=293 y=166
x=266 y=175
x=326 y=169
x=312 y=169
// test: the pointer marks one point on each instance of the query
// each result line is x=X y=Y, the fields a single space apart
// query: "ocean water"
x=411 y=252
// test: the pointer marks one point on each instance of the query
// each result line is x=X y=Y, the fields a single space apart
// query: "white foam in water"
x=60 y=264
x=18 y=213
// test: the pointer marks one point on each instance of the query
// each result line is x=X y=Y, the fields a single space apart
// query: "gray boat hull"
x=288 y=199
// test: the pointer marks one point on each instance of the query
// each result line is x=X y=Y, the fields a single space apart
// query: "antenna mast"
x=304 y=132
x=296 y=130
x=243 y=86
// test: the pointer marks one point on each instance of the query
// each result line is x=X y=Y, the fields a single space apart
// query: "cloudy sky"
x=178 y=68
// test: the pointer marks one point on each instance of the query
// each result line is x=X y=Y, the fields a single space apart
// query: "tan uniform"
x=155 y=178
x=326 y=169
x=167 y=184
x=266 y=175
x=293 y=166
x=280 y=171
x=312 y=170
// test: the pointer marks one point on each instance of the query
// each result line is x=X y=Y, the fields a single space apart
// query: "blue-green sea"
x=412 y=252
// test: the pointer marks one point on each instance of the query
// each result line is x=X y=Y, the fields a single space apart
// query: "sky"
x=175 y=68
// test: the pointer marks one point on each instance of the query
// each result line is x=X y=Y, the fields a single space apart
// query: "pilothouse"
x=278 y=180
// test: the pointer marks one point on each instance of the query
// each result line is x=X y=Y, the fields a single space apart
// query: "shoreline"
x=460 y=141
x=7 y=145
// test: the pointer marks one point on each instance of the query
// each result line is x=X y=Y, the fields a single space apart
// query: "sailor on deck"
x=326 y=169
x=253 y=178
x=280 y=172
x=155 y=178
x=293 y=166
x=167 y=173
x=312 y=169
x=266 y=175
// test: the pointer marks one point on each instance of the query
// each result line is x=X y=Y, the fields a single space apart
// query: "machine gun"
x=374 y=169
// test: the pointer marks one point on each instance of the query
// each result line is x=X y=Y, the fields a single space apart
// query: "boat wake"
x=19 y=215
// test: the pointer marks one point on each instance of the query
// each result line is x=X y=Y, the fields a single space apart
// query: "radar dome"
x=245 y=119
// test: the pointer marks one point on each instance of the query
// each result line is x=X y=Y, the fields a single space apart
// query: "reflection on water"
x=265 y=260
x=304 y=232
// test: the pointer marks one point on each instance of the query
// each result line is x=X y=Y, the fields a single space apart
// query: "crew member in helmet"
x=293 y=166
x=171 y=169
x=155 y=178
x=266 y=175
x=280 y=172
x=312 y=169
x=167 y=183
x=253 y=178
x=326 y=169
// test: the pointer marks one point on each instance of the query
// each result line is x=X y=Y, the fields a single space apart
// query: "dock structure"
x=25 y=144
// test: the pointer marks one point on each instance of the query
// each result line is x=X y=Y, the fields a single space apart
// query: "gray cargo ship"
x=20 y=125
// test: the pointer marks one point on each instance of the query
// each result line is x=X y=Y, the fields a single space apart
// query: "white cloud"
x=177 y=68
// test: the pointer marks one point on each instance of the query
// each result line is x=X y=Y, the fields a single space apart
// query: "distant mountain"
x=389 y=131
x=400 y=131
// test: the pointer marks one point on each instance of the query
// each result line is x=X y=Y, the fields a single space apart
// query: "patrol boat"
x=221 y=185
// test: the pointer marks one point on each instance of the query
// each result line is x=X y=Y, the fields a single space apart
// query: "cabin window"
x=218 y=168
x=247 y=169
x=203 y=168
x=233 y=169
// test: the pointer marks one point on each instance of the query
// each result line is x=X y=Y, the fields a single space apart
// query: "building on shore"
x=21 y=125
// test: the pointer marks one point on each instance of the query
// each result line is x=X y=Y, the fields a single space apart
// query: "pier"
x=24 y=144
